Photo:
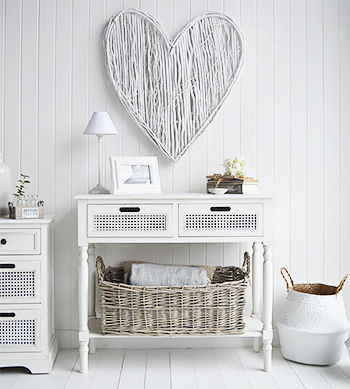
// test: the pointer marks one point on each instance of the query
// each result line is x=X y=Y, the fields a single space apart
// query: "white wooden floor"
x=179 y=369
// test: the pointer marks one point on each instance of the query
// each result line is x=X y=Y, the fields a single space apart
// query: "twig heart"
x=172 y=88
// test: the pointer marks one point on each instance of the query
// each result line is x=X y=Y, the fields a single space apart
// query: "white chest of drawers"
x=178 y=218
x=26 y=294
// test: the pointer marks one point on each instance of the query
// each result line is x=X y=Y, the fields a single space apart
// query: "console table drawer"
x=20 y=281
x=130 y=220
x=19 y=241
x=220 y=220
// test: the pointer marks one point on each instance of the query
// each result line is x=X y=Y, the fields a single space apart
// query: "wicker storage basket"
x=313 y=326
x=217 y=308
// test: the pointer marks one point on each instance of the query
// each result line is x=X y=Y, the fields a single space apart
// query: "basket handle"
x=100 y=269
x=291 y=279
x=342 y=282
x=246 y=264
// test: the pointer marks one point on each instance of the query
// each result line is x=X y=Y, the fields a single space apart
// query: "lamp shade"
x=100 y=124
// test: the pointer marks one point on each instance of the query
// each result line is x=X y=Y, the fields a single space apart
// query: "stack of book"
x=233 y=184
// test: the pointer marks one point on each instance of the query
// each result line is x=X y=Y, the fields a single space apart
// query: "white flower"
x=237 y=166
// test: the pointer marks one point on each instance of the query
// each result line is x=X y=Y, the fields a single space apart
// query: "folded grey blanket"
x=147 y=274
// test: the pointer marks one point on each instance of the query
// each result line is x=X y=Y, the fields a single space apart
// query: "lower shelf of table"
x=253 y=329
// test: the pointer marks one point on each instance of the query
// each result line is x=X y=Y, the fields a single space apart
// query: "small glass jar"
x=22 y=201
x=32 y=200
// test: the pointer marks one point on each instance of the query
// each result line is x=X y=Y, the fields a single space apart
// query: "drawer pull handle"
x=7 y=314
x=129 y=209
x=3 y=241
x=220 y=209
x=7 y=265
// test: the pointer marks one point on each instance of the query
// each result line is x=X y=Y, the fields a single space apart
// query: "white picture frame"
x=135 y=174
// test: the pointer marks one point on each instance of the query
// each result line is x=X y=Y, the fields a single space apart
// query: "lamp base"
x=99 y=189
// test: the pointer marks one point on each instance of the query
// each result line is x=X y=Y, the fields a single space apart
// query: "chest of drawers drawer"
x=20 y=329
x=20 y=241
x=20 y=281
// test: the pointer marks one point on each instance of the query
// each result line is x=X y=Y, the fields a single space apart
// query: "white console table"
x=178 y=218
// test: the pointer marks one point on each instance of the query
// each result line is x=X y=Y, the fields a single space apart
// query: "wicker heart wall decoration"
x=172 y=88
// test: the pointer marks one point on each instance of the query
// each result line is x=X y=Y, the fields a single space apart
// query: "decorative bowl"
x=218 y=191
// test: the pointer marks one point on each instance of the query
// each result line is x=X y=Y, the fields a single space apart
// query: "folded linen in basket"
x=127 y=268
x=147 y=274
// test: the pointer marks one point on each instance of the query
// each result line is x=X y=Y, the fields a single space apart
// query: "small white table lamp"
x=100 y=124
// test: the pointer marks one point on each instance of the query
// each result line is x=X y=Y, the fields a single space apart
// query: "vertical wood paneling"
x=63 y=159
x=46 y=104
x=265 y=97
x=29 y=97
x=344 y=14
x=289 y=115
x=232 y=107
x=315 y=144
x=12 y=86
x=331 y=111
x=249 y=85
x=2 y=75
x=282 y=147
x=298 y=138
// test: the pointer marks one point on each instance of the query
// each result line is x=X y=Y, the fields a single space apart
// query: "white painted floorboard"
x=238 y=368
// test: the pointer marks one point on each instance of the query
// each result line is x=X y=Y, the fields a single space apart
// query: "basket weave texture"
x=216 y=308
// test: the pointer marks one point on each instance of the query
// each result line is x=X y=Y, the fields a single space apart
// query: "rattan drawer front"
x=20 y=329
x=19 y=241
x=124 y=220
x=220 y=220
x=20 y=282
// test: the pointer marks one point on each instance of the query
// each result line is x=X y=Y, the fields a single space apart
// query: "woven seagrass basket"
x=313 y=326
x=216 y=308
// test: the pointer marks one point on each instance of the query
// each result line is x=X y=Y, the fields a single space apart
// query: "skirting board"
x=69 y=339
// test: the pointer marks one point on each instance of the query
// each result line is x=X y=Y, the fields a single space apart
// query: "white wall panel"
x=331 y=109
x=288 y=114
x=12 y=87
x=344 y=14
x=46 y=104
x=63 y=163
x=29 y=91
x=298 y=138
x=315 y=141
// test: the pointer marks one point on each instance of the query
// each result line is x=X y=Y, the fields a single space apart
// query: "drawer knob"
x=3 y=241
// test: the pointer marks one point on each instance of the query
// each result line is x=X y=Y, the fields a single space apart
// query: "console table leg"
x=83 y=308
x=256 y=277
x=268 y=307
